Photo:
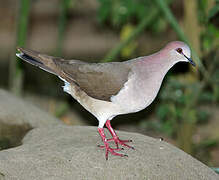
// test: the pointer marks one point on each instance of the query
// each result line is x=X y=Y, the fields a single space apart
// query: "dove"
x=110 y=89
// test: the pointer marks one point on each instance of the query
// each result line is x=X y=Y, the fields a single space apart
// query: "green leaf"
x=104 y=10
x=213 y=11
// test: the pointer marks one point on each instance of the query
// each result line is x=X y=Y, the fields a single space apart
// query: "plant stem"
x=16 y=70
x=62 y=25
x=139 y=29
x=190 y=21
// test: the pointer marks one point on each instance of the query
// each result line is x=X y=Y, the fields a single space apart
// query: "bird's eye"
x=179 y=50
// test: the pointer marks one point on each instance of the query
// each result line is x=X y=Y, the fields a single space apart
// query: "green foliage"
x=64 y=6
x=130 y=48
x=178 y=94
x=203 y=116
x=174 y=97
x=207 y=96
x=16 y=71
x=210 y=33
x=120 y=12
x=139 y=29
x=23 y=22
x=213 y=11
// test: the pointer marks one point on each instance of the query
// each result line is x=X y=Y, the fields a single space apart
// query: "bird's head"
x=179 y=51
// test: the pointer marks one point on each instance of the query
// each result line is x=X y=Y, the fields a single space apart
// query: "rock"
x=71 y=152
x=18 y=117
x=15 y=111
x=51 y=150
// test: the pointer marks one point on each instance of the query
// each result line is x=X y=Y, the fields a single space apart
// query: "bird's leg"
x=106 y=145
x=115 y=138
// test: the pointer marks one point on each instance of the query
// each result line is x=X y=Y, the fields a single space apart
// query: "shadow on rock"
x=12 y=135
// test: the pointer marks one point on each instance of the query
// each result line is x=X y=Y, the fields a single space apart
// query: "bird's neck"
x=158 y=63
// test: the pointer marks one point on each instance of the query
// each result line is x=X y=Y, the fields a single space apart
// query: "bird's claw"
x=117 y=141
x=122 y=142
x=115 y=149
x=112 y=151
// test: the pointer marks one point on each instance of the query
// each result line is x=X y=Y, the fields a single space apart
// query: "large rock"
x=51 y=150
x=17 y=117
x=15 y=111
x=64 y=152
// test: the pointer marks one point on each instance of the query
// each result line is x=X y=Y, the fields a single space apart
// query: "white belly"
x=136 y=94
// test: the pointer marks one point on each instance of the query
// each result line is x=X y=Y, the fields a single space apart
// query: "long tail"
x=42 y=61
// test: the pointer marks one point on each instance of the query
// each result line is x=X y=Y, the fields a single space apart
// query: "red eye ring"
x=179 y=50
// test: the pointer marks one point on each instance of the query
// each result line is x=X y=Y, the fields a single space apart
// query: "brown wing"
x=98 y=80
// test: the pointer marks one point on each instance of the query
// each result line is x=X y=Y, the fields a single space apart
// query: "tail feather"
x=42 y=61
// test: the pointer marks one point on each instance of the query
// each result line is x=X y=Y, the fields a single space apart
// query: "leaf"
x=213 y=11
x=104 y=10
x=129 y=49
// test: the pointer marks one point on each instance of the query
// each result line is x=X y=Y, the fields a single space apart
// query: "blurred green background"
x=185 y=113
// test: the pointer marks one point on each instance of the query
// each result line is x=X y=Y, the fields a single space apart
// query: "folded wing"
x=98 y=80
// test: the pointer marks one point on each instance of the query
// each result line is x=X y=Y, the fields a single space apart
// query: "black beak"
x=190 y=61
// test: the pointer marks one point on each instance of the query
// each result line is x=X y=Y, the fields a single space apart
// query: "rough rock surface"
x=64 y=152
x=14 y=111
x=17 y=117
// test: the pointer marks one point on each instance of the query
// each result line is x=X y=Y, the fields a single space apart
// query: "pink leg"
x=106 y=145
x=116 y=138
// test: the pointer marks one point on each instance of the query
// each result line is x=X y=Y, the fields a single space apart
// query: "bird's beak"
x=190 y=60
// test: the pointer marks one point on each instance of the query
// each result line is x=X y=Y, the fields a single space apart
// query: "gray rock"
x=17 y=117
x=65 y=152
x=55 y=151
x=15 y=111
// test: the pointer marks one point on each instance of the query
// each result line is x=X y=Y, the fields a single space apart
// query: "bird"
x=110 y=89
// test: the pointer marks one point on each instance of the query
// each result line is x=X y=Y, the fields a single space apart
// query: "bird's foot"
x=121 y=142
x=112 y=150
x=115 y=149
x=115 y=138
x=107 y=147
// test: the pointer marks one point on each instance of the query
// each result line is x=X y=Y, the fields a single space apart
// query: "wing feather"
x=98 y=80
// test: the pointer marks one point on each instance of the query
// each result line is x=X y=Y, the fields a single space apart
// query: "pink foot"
x=115 y=138
x=115 y=149
x=121 y=142
x=106 y=146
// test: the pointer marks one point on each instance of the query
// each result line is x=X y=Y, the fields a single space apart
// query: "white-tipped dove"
x=110 y=89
